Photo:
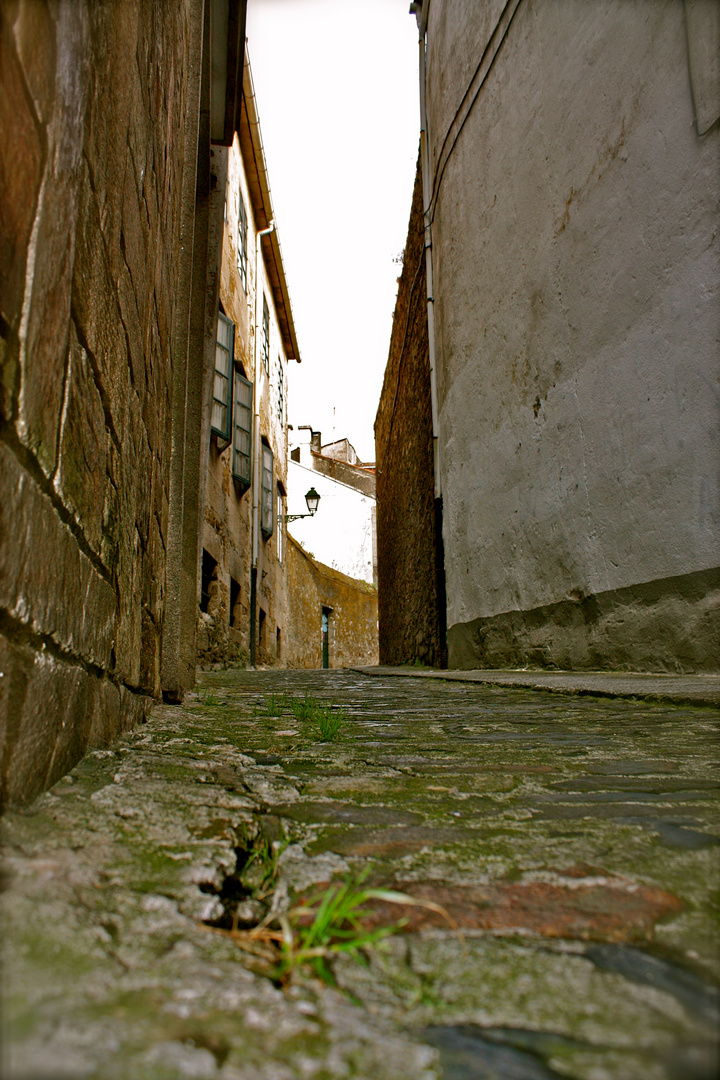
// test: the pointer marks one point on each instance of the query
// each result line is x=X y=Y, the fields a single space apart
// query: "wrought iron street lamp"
x=312 y=499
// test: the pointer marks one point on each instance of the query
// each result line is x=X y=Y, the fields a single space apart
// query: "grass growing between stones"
x=327 y=721
x=207 y=697
x=316 y=931
x=303 y=708
x=325 y=718
x=259 y=875
x=329 y=925
x=276 y=704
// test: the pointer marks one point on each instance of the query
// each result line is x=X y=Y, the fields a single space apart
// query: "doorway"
x=209 y=576
x=326 y=612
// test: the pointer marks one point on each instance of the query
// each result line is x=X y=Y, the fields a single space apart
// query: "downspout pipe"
x=257 y=363
x=427 y=195
x=421 y=11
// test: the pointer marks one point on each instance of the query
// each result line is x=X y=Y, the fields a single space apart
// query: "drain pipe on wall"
x=257 y=362
x=427 y=195
x=421 y=11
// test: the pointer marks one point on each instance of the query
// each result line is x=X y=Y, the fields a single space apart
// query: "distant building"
x=342 y=535
x=332 y=561
x=243 y=606
x=332 y=618
x=567 y=247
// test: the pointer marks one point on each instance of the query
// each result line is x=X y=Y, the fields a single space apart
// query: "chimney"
x=304 y=435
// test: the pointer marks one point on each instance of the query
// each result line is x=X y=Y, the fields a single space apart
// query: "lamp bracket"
x=296 y=517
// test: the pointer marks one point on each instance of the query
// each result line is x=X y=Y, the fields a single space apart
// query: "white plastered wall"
x=576 y=266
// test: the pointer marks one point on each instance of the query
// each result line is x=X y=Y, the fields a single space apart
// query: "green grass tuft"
x=328 y=721
x=207 y=697
x=315 y=932
x=276 y=704
x=325 y=719
x=335 y=928
x=303 y=708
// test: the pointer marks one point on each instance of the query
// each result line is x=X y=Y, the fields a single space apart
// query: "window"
x=280 y=530
x=281 y=389
x=242 y=242
x=242 y=437
x=220 y=422
x=266 y=492
x=266 y=337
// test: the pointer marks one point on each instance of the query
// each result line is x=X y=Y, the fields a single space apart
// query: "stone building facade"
x=111 y=162
x=411 y=600
x=571 y=168
x=243 y=602
x=332 y=619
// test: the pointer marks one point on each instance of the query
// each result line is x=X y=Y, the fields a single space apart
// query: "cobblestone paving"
x=573 y=844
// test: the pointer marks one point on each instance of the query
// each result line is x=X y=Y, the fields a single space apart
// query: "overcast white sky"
x=337 y=94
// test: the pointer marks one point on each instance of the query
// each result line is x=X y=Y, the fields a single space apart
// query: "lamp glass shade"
x=312 y=499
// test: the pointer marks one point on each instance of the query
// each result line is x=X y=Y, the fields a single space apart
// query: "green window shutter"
x=242 y=435
x=221 y=417
x=267 y=510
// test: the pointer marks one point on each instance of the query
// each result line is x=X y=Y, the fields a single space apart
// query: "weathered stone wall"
x=96 y=103
x=353 y=620
x=224 y=634
x=575 y=175
x=224 y=628
x=353 y=475
x=410 y=627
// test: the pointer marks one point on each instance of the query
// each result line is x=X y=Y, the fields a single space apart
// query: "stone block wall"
x=408 y=552
x=353 y=633
x=96 y=100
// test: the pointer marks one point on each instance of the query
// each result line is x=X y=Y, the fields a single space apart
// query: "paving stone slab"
x=569 y=845
x=660 y=686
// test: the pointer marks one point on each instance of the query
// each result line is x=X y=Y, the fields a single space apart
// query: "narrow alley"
x=360 y=651
x=558 y=850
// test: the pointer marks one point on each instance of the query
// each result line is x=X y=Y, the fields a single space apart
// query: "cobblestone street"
x=564 y=848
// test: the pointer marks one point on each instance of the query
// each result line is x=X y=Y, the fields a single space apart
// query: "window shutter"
x=242 y=436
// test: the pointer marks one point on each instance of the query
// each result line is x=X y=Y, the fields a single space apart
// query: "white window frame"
x=280 y=529
x=223 y=381
x=267 y=491
x=265 y=345
x=242 y=430
x=281 y=390
x=242 y=243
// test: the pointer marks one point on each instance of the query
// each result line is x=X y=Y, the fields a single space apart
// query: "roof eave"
x=253 y=154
